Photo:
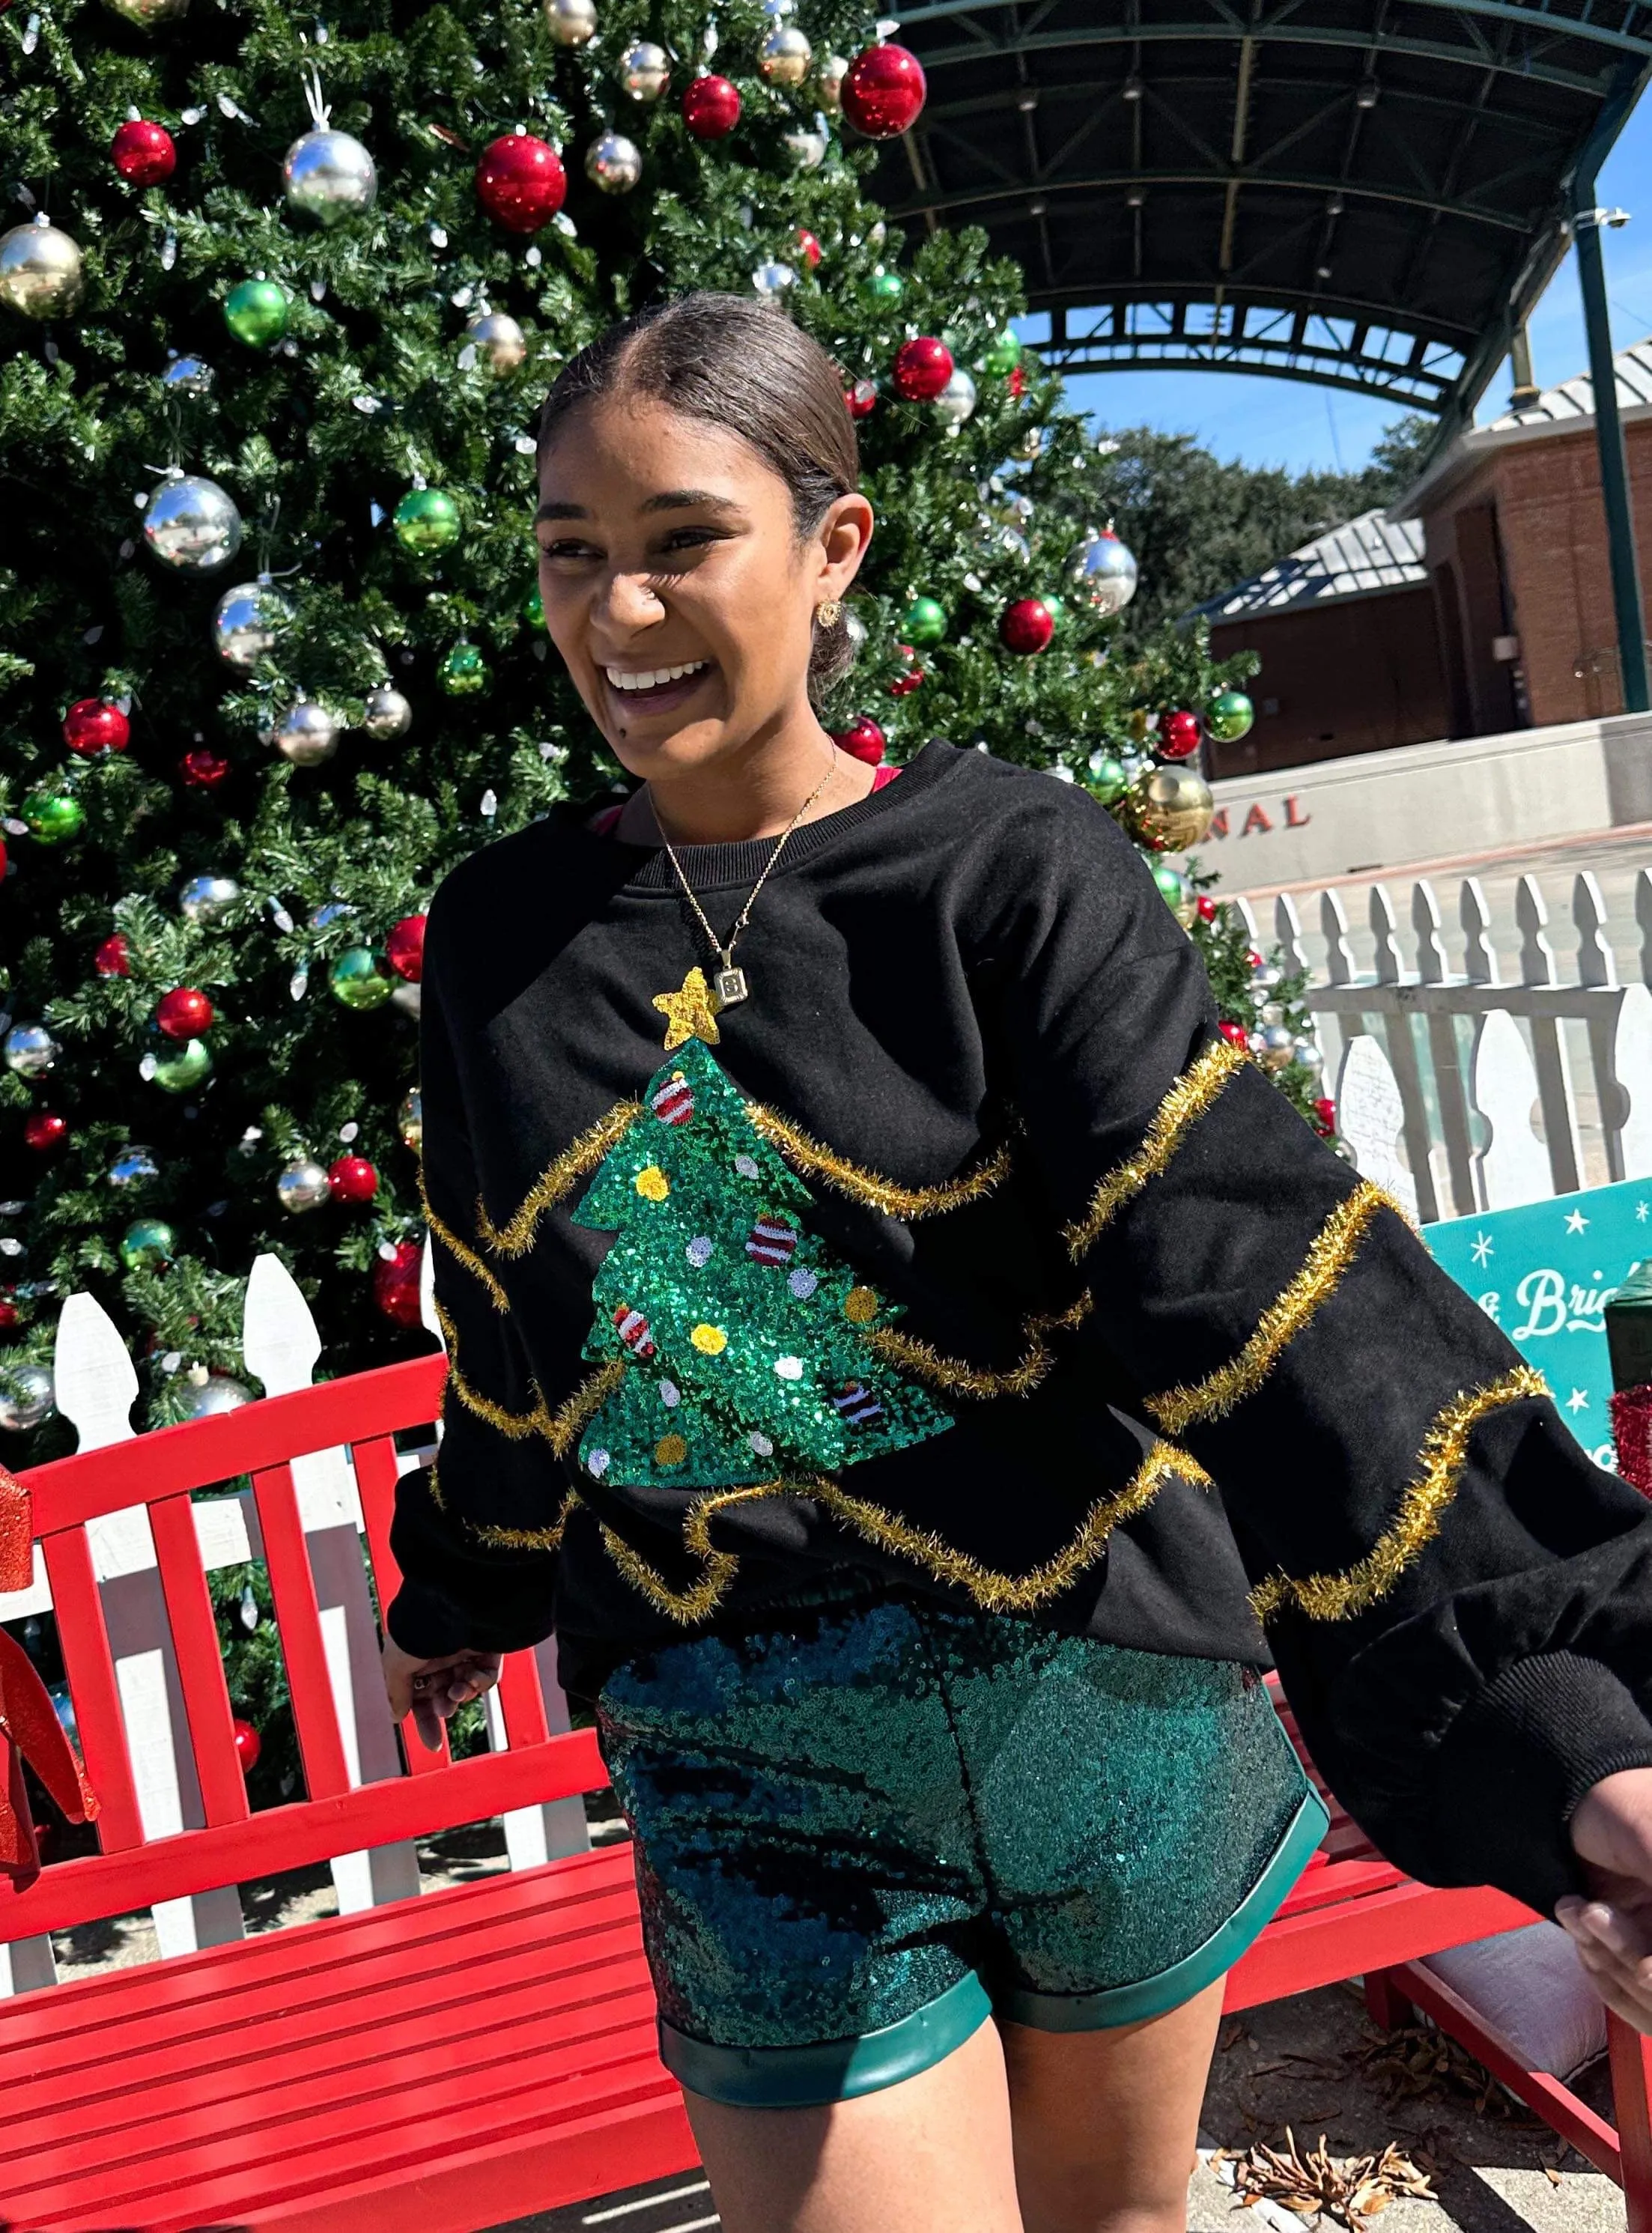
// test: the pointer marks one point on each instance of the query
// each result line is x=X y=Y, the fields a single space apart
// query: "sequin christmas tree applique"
x=743 y=1336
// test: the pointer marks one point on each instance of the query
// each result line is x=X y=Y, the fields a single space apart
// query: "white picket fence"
x=96 y=1387
x=1456 y=1088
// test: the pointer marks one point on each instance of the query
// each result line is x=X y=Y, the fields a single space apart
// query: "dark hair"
x=741 y=365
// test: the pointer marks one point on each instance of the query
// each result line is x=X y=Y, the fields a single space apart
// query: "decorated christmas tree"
x=282 y=298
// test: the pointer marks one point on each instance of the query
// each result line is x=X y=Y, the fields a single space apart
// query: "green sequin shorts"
x=859 y=1835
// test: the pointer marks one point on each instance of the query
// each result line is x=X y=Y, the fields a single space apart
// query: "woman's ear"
x=844 y=534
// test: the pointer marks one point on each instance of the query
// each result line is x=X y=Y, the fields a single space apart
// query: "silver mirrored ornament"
x=329 y=176
x=807 y=149
x=204 y=899
x=645 y=70
x=188 y=375
x=27 y=1397
x=855 y=628
x=829 y=82
x=786 y=55
x=247 y=622
x=387 y=714
x=42 y=274
x=773 y=279
x=1278 y=1048
x=302 y=1185
x=613 y=163
x=407 y=999
x=1103 y=573
x=572 y=21
x=133 y=1167
x=1309 y=1055
x=30 y=1050
x=147 y=13
x=496 y=336
x=217 y=1393
x=956 y=400
x=306 y=734
x=192 y=525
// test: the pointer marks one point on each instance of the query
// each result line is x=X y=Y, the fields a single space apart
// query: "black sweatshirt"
x=1071 y=1314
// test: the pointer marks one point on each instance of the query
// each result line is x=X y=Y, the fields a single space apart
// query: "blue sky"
x=1276 y=422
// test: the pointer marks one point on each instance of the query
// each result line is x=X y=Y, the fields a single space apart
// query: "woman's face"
x=674 y=584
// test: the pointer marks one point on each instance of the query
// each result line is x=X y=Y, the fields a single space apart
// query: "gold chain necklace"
x=729 y=985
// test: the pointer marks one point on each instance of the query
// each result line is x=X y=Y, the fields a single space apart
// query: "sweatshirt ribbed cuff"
x=1518 y=1759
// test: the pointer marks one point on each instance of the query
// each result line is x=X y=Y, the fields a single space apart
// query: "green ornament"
x=147 y=1245
x=924 y=621
x=1003 y=353
x=359 y=980
x=885 y=286
x=53 y=817
x=255 y=312
x=464 y=673
x=1056 y=607
x=1229 y=717
x=182 y=1068
x=1107 y=780
x=426 y=521
x=533 y=608
x=1173 y=885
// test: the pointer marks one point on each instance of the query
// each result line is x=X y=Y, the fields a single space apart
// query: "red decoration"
x=1631 y=1412
x=1177 y=737
x=204 y=768
x=396 y=1284
x=30 y=1730
x=93 y=726
x=112 y=959
x=1253 y=958
x=1205 y=908
x=862 y=739
x=43 y=1128
x=184 y=1014
x=352 y=1178
x=1235 y=1034
x=7 y=1312
x=772 y=1239
x=1017 y=383
x=674 y=1103
x=809 y=246
x=2 y=859
x=248 y=1745
x=904 y=685
x=634 y=1330
x=405 y=948
x=861 y=397
x=520 y=182
x=143 y=152
x=884 y=91
x=710 y=107
x=1026 y=626
x=1324 y=1117
x=922 y=368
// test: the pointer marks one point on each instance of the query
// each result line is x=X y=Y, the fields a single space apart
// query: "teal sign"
x=1545 y=1272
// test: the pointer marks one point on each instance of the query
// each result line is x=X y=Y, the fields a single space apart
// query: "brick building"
x=1498 y=612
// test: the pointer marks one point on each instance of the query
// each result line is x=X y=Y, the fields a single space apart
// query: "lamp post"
x=1587 y=219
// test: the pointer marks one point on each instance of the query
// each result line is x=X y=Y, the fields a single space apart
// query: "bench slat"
x=200 y=1666
x=89 y=1665
x=298 y=1622
x=376 y=1475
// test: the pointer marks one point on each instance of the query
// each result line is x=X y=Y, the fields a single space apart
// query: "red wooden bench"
x=483 y=2052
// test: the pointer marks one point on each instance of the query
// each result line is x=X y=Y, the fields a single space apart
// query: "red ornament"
x=1205 y=908
x=883 y=91
x=1177 y=738
x=809 y=246
x=1018 y=383
x=3 y=860
x=7 y=1312
x=863 y=740
x=1026 y=626
x=904 y=685
x=1235 y=1034
x=772 y=1239
x=1324 y=1116
x=396 y=1284
x=922 y=368
x=520 y=182
x=634 y=1330
x=861 y=397
x=143 y=152
x=184 y=1014
x=1253 y=958
x=248 y=1745
x=352 y=1178
x=93 y=726
x=674 y=1103
x=710 y=107
x=112 y=959
x=405 y=948
x=44 y=1129
x=204 y=768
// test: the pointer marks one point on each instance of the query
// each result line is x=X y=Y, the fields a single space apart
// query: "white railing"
x=1458 y=1086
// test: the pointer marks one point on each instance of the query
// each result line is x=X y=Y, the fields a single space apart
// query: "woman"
x=901 y=1348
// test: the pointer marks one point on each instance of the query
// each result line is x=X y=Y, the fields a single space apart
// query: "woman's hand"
x=1611 y=1834
x=433 y=1689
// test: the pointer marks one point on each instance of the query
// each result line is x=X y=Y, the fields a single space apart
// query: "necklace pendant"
x=730 y=986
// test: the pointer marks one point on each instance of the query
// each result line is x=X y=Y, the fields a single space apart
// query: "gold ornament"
x=145 y=14
x=572 y=21
x=690 y=1013
x=1173 y=807
x=41 y=270
x=828 y=84
x=496 y=336
x=786 y=56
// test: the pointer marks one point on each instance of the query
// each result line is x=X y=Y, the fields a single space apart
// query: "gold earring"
x=829 y=615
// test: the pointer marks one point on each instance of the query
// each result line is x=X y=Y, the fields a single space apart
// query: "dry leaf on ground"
x=1314 y=2185
x=1413 y=2062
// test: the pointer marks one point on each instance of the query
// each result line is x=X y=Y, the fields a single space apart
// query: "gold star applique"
x=691 y=1014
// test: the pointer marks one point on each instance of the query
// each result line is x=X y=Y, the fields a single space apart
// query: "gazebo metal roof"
x=1368 y=194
